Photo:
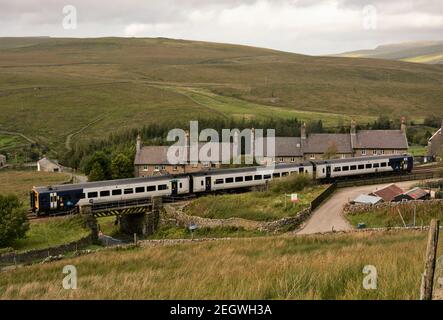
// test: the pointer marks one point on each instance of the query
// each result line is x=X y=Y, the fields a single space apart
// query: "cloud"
x=305 y=26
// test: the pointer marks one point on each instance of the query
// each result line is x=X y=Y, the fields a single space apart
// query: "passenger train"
x=64 y=198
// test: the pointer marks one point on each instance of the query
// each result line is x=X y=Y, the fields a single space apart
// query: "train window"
x=229 y=180
x=248 y=178
x=219 y=181
x=93 y=195
x=353 y=167
x=346 y=168
x=105 y=193
x=323 y=170
x=276 y=175
x=361 y=167
x=337 y=169
x=140 y=190
x=129 y=191
x=150 y=188
x=239 y=179
x=369 y=166
x=384 y=165
x=116 y=192
x=181 y=185
x=82 y=196
x=258 y=177
x=163 y=187
x=376 y=165
x=202 y=183
x=267 y=176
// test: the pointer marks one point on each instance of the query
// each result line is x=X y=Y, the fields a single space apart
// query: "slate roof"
x=157 y=155
x=321 y=142
x=380 y=139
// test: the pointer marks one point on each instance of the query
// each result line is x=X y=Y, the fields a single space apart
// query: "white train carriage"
x=331 y=169
x=245 y=177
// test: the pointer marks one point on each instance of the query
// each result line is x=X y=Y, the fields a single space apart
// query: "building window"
x=157 y=168
x=374 y=152
x=363 y=152
x=292 y=160
x=312 y=156
x=195 y=165
x=343 y=156
x=174 y=168
x=206 y=164
x=383 y=152
x=145 y=167
x=163 y=167
x=281 y=160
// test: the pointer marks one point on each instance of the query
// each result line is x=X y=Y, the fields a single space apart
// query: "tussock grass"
x=311 y=267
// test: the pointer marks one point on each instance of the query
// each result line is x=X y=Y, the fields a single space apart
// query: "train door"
x=53 y=201
x=208 y=184
x=328 y=172
x=174 y=186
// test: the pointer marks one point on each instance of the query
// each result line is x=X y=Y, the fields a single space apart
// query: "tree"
x=331 y=152
x=96 y=173
x=13 y=220
x=102 y=159
x=121 y=167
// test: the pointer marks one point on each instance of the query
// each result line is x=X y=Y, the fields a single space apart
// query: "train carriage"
x=56 y=199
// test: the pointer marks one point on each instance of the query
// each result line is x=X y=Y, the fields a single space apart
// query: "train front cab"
x=402 y=164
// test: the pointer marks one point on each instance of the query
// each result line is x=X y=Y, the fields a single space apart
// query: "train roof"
x=360 y=159
x=107 y=183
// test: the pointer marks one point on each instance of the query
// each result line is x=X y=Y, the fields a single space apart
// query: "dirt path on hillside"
x=329 y=216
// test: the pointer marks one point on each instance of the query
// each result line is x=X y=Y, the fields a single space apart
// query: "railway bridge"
x=134 y=216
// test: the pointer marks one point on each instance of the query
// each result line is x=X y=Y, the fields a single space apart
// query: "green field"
x=312 y=267
x=58 y=91
x=52 y=232
x=257 y=206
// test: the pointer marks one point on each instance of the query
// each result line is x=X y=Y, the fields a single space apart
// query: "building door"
x=208 y=184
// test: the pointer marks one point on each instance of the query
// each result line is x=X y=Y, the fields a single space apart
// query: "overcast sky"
x=302 y=26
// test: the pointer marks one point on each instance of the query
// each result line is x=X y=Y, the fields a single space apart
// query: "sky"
x=315 y=27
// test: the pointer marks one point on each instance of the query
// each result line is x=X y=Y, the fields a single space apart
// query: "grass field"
x=20 y=183
x=51 y=233
x=314 y=267
x=258 y=206
x=56 y=89
x=424 y=213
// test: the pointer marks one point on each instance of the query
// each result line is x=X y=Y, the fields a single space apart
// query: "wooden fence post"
x=431 y=255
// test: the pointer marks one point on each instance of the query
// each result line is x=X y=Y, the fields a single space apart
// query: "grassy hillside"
x=314 y=267
x=421 y=52
x=20 y=183
x=59 y=90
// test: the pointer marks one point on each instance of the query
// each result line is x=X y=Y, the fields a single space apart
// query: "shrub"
x=292 y=183
x=13 y=220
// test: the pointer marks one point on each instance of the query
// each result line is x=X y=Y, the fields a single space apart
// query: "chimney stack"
x=403 y=126
x=138 y=145
x=353 y=127
x=303 y=131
